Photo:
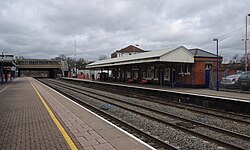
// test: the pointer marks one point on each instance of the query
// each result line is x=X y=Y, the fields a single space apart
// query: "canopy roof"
x=180 y=54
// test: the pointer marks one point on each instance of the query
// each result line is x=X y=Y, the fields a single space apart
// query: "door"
x=173 y=77
x=161 y=77
x=207 y=77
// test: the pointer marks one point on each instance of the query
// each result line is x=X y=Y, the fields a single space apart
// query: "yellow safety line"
x=62 y=130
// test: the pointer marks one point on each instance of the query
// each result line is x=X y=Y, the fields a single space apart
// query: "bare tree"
x=102 y=57
x=19 y=57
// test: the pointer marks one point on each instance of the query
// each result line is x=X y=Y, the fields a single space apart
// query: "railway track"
x=179 y=123
x=194 y=108
x=145 y=136
x=208 y=111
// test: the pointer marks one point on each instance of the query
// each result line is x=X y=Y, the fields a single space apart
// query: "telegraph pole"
x=75 y=58
x=2 y=69
x=246 y=55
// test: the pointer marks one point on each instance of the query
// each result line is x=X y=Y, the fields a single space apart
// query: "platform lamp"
x=75 y=60
x=2 y=68
x=217 y=64
x=246 y=59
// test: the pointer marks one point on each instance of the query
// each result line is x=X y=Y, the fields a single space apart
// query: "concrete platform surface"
x=26 y=124
x=24 y=121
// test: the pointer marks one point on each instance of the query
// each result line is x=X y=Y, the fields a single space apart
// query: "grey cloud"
x=48 y=28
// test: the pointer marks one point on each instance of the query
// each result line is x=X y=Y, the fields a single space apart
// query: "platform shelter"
x=172 y=67
x=7 y=67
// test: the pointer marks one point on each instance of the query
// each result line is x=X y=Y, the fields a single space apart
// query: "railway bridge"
x=41 y=68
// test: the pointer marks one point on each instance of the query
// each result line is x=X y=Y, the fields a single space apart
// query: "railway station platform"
x=221 y=100
x=33 y=116
x=195 y=91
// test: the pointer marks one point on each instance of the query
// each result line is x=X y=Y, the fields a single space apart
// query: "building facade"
x=129 y=50
x=171 y=67
x=7 y=67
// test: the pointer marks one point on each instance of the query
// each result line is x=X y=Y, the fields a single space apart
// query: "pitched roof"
x=180 y=54
x=201 y=53
x=130 y=48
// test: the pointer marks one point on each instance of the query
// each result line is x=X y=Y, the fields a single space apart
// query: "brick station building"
x=129 y=50
x=180 y=67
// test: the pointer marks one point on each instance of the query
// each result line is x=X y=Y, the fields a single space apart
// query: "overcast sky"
x=47 y=28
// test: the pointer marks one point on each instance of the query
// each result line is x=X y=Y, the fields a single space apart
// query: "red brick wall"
x=114 y=55
x=199 y=68
x=199 y=73
x=183 y=78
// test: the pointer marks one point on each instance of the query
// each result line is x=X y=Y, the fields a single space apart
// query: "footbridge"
x=41 y=68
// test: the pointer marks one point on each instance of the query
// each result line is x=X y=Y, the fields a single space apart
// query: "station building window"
x=118 y=72
x=188 y=68
x=182 y=69
x=167 y=74
x=150 y=73
x=135 y=74
x=144 y=74
x=156 y=73
x=208 y=66
x=128 y=74
x=185 y=69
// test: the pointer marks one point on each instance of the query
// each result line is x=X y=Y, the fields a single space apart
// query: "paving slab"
x=24 y=121
x=92 y=132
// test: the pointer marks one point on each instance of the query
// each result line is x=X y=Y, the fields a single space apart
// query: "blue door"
x=207 y=77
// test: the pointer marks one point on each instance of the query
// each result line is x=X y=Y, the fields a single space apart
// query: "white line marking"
x=131 y=135
x=7 y=87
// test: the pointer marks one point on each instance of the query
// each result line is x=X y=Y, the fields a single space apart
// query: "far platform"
x=220 y=100
x=200 y=91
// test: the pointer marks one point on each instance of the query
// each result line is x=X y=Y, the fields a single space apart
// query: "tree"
x=102 y=57
x=238 y=62
x=236 y=58
x=79 y=63
x=60 y=57
x=19 y=57
x=72 y=63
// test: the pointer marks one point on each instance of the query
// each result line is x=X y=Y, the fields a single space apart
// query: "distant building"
x=7 y=67
x=129 y=50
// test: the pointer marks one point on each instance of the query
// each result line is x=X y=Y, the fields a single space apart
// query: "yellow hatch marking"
x=58 y=124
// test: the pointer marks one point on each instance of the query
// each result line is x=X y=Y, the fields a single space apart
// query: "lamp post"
x=217 y=64
x=246 y=59
x=2 y=70
x=75 y=59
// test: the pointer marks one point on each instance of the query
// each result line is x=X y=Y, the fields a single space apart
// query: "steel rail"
x=149 y=138
x=173 y=125
x=222 y=114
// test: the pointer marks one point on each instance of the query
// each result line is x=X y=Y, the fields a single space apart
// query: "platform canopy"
x=180 y=55
x=8 y=60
